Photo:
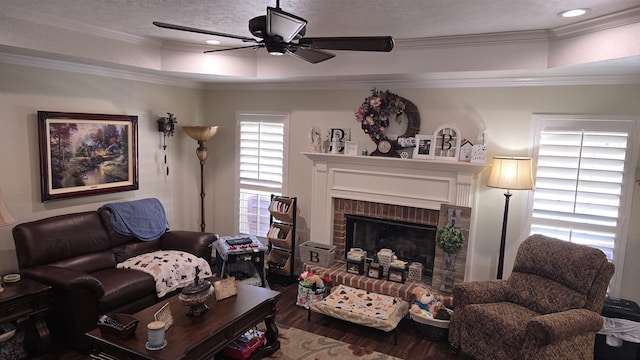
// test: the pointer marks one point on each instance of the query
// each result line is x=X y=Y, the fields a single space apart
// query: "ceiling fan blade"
x=310 y=55
x=354 y=43
x=202 y=31
x=256 y=46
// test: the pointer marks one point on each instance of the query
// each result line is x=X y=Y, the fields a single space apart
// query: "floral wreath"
x=373 y=114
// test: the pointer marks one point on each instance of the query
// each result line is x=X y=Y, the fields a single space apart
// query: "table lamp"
x=510 y=173
x=201 y=134
x=5 y=219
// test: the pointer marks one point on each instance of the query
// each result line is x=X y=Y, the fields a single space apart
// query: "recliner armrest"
x=196 y=243
x=479 y=292
x=64 y=278
x=553 y=328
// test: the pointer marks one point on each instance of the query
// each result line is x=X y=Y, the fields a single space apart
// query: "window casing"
x=261 y=159
x=584 y=169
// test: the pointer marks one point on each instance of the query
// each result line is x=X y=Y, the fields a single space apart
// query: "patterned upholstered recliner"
x=549 y=308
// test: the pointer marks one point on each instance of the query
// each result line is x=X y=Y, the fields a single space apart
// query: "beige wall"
x=25 y=90
x=505 y=113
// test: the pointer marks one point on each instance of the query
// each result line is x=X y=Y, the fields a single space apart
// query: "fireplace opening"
x=411 y=242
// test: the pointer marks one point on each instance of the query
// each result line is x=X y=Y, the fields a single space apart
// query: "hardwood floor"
x=411 y=344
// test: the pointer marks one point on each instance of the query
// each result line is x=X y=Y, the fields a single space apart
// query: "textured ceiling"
x=402 y=19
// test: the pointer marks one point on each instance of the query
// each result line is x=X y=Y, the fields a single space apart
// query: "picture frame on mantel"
x=84 y=154
x=425 y=146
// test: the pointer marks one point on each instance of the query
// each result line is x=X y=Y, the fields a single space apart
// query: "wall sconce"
x=167 y=126
x=201 y=134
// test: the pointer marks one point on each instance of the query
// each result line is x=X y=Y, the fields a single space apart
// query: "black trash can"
x=615 y=308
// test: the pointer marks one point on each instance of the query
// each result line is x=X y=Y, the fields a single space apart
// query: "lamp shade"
x=200 y=133
x=511 y=173
x=5 y=216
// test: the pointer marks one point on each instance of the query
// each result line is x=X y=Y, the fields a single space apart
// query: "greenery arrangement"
x=450 y=239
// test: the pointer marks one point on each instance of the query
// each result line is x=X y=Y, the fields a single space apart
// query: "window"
x=261 y=158
x=584 y=181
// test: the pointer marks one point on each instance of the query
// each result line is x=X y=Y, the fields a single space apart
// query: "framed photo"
x=351 y=148
x=397 y=275
x=87 y=154
x=375 y=272
x=355 y=267
x=425 y=147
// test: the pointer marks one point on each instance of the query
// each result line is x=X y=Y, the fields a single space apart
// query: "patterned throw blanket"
x=171 y=269
x=361 y=302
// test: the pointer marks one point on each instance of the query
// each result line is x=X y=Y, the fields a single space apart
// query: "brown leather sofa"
x=76 y=254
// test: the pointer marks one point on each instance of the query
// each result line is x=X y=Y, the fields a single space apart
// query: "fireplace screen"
x=410 y=242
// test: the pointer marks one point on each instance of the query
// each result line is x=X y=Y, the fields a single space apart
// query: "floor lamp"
x=510 y=173
x=5 y=219
x=201 y=134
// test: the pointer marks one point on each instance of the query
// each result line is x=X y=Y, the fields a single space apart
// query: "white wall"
x=505 y=113
x=25 y=90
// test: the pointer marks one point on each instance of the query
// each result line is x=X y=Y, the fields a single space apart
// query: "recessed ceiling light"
x=213 y=42
x=573 y=12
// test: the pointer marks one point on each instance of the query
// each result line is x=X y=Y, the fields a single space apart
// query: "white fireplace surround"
x=408 y=182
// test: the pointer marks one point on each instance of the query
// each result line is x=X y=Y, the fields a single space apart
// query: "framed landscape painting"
x=87 y=154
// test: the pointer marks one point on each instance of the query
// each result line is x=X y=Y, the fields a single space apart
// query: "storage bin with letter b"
x=314 y=253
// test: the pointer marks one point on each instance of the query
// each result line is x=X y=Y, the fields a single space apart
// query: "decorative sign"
x=465 y=150
x=479 y=154
x=225 y=288
x=447 y=143
x=165 y=315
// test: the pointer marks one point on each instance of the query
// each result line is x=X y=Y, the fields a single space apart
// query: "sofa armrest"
x=479 y=292
x=64 y=278
x=196 y=243
x=552 y=328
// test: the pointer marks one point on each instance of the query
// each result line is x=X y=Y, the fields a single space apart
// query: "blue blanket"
x=144 y=219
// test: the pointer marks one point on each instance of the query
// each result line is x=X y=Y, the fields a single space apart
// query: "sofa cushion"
x=60 y=237
x=89 y=263
x=524 y=289
x=136 y=247
x=122 y=286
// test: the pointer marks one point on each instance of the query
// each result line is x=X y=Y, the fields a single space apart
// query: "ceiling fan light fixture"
x=283 y=24
x=275 y=48
x=574 y=12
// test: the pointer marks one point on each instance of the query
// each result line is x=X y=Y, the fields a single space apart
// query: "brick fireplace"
x=408 y=190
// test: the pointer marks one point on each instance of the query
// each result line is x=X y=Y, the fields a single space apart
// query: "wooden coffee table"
x=198 y=337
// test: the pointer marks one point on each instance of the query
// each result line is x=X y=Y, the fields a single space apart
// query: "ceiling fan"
x=283 y=33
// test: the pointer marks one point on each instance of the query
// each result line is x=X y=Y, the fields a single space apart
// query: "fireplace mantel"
x=417 y=183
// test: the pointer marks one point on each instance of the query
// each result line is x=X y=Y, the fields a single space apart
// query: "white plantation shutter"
x=583 y=174
x=261 y=169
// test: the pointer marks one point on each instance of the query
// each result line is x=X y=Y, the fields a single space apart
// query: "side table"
x=27 y=302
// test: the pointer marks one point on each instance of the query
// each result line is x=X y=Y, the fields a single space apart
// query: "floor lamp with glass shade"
x=201 y=134
x=510 y=173
x=5 y=219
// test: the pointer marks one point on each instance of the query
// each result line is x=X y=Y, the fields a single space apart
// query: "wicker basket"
x=130 y=324
x=431 y=329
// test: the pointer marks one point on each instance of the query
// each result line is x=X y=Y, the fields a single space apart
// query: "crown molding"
x=474 y=40
x=622 y=18
x=67 y=66
x=418 y=81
